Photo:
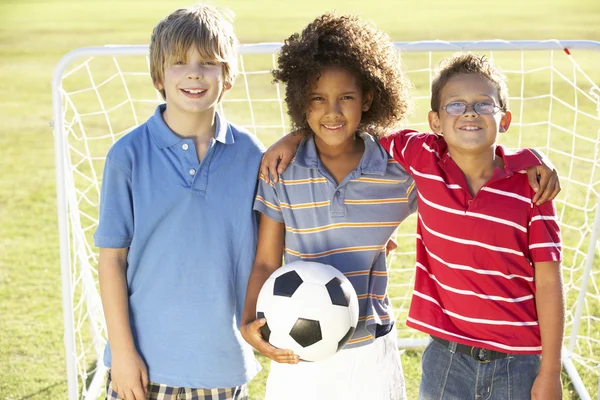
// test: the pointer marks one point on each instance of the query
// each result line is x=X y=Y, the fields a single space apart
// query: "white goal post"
x=101 y=93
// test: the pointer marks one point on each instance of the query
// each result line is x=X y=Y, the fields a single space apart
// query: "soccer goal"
x=101 y=93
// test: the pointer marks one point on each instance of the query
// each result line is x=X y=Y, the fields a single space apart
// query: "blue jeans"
x=450 y=375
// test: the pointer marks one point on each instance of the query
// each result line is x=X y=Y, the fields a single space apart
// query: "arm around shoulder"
x=543 y=179
x=278 y=156
x=406 y=145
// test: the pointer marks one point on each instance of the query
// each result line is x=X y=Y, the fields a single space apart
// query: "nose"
x=470 y=111
x=334 y=109
x=195 y=72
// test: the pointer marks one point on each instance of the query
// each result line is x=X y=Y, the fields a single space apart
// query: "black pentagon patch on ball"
x=287 y=284
x=265 y=331
x=306 y=332
x=346 y=337
x=336 y=293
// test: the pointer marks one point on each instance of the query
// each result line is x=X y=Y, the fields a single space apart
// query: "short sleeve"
x=115 y=223
x=267 y=201
x=544 y=234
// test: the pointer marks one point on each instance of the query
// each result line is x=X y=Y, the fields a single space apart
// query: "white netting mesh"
x=556 y=109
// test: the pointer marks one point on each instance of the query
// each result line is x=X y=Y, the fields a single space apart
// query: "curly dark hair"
x=346 y=41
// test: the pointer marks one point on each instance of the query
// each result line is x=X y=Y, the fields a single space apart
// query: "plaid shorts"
x=157 y=391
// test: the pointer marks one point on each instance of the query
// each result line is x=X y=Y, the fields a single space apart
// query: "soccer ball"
x=311 y=309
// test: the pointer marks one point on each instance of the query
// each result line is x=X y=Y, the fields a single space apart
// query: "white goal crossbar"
x=101 y=93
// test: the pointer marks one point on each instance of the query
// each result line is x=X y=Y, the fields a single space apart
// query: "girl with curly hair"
x=340 y=199
x=338 y=202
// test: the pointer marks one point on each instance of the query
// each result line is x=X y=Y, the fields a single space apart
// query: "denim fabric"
x=449 y=375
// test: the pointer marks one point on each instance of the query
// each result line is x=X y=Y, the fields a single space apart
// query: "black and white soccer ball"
x=311 y=308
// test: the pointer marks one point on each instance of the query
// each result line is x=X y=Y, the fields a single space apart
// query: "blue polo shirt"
x=191 y=234
x=346 y=225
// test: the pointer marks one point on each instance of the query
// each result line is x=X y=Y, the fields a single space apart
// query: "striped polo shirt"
x=346 y=225
x=474 y=279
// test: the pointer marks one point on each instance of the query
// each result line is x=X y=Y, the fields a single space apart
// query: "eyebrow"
x=477 y=94
x=348 y=92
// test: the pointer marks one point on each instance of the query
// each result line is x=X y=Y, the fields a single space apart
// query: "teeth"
x=332 y=127
x=470 y=128
x=194 y=91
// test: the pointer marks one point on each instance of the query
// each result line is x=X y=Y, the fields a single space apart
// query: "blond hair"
x=207 y=28
x=468 y=63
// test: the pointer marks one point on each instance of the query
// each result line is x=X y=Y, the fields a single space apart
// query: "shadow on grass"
x=44 y=390
x=40 y=393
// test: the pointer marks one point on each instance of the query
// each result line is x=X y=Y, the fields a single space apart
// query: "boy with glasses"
x=488 y=286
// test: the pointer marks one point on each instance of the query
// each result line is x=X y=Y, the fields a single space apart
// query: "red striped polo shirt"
x=475 y=255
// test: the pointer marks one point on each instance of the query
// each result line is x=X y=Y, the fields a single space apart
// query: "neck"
x=478 y=165
x=352 y=146
x=200 y=126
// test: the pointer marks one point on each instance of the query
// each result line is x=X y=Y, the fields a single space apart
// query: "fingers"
x=273 y=170
x=145 y=381
x=135 y=392
x=283 y=164
x=544 y=179
x=532 y=177
x=548 y=189
x=266 y=348
x=285 y=357
x=256 y=325
x=390 y=246
x=115 y=389
x=264 y=168
x=128 y=395
x=282 y=356
x=138 y=393
x=557 y=188
x=268 y=167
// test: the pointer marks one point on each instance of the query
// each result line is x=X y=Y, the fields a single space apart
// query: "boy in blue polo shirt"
x=177 y=233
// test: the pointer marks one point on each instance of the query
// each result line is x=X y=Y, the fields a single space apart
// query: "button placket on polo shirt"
x=337 y=204
x=189 y=160
x=200 y=182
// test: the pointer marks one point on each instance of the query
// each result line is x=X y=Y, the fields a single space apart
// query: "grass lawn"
x=35 y=34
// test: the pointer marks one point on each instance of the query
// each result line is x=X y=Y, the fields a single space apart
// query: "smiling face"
x=194 y=84
x=335 y=106
x=469 y=132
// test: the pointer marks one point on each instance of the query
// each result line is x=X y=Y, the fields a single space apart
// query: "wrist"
x=122 y=348
x=550 y=368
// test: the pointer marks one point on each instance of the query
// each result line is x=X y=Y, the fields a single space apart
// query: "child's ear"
x=226 y=87
x=505 y=121
x=158 y=86
x=434 y=122
x=367 y=100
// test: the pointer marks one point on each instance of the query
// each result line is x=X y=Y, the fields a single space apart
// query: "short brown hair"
x=467 y=63
x=348 y=42
x=206 y=27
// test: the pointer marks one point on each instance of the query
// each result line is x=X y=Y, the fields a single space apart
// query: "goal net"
x=101 y=93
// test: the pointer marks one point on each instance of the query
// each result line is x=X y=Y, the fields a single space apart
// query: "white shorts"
x=371 y=372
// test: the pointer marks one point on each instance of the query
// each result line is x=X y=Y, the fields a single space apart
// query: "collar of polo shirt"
x=373 y=162
x=164 y=137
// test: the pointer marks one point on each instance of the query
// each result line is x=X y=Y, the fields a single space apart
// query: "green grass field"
x=35 y=34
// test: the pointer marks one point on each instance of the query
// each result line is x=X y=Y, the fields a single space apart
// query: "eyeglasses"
x=481 y=108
